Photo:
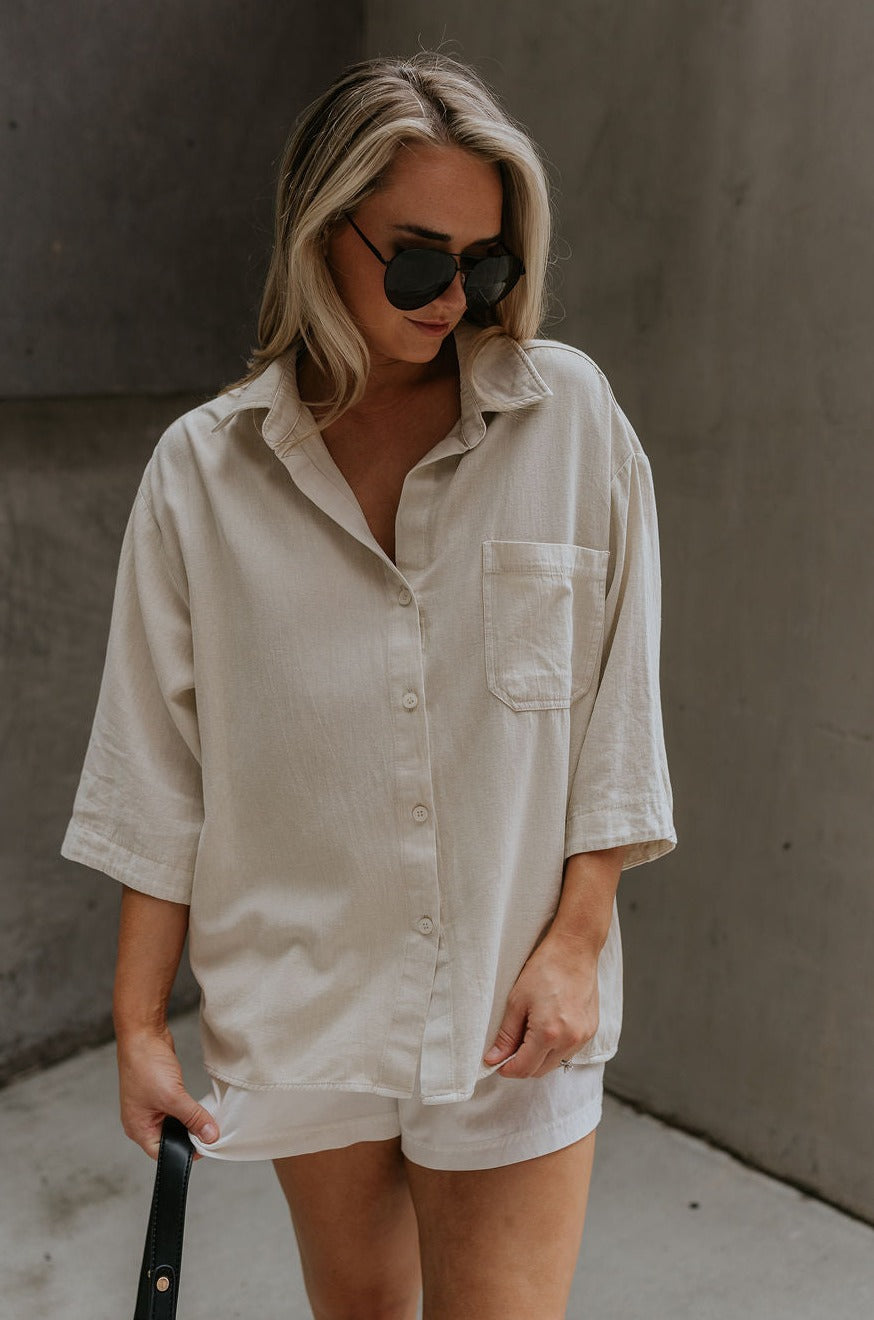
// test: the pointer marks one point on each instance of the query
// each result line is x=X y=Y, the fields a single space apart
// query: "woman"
x=379 y=724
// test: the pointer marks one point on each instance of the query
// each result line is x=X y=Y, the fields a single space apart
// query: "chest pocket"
x=543 y=620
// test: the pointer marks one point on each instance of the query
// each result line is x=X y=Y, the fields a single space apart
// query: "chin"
x=407 y=344
x=413 y=346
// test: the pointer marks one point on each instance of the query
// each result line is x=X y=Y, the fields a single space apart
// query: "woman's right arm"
x=151 y=938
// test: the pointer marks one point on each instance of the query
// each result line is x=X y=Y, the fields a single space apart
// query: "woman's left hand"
x=552 y=1009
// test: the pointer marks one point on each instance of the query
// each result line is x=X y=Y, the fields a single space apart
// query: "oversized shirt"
x=363 y=776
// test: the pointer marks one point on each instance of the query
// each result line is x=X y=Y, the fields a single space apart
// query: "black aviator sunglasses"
x=416 y=276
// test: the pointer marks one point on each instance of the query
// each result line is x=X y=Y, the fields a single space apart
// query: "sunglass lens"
x=418 y=276
x=491 y=280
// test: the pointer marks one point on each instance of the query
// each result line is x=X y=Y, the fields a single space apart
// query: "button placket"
x=419 y=901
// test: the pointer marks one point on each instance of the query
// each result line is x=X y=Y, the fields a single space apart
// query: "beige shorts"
x=504 y=1121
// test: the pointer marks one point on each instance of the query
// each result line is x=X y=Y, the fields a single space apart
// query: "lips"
x=432 y=327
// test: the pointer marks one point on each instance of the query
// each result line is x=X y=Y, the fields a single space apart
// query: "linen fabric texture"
x=503 y=1122
x=363 y=776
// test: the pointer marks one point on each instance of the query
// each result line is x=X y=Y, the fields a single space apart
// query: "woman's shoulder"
x=185 y=453
x=194 y=436
x=565 y=363
x=206 y=420
x=177 y=445
x=584 y=393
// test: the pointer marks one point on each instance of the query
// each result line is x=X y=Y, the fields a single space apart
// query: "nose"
x=452 y=302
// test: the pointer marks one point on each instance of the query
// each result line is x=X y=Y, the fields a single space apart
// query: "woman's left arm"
x=552 y=1009
x=619 y=804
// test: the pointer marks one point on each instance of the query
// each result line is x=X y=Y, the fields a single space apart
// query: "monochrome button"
x=405 y=596
x=420 y=812
x=411 y=701
x=425 y=925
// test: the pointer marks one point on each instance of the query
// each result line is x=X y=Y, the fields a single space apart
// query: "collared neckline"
x=502 y=379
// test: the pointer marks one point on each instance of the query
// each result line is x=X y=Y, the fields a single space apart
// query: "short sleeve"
x=138 y=810
x=620 y=791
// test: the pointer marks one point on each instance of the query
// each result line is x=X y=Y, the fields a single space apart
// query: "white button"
x=420 y=813
x=425 y=925
x=405 y=596
x=411 y=701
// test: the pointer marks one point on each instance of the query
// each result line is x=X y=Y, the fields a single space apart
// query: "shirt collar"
x=502 y=379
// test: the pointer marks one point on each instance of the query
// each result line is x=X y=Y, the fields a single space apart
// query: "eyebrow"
x=421 y=232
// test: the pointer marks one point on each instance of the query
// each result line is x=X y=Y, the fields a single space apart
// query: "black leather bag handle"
x=158 y=1290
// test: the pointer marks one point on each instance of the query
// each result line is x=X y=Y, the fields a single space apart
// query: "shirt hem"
x=346 y=1084
x=359 y=1084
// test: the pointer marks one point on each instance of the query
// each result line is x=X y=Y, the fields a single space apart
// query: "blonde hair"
x=338 y=151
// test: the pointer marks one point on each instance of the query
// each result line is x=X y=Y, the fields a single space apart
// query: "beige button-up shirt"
x=364 y=777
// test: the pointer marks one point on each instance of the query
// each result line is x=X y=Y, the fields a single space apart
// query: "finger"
x=509 y=1034
x=198 y=1120
x=553 y=1062
x=150 y=1140
x=146 y=1131
x=528 y=1059
x=151 y=1144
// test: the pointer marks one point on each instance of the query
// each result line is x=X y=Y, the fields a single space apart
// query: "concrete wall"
x=70 y=468
x=716 y=175
x=715 y=185
x=137 y=151
x=137 y=148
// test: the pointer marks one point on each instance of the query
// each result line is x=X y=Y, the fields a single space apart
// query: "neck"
x=390 y=384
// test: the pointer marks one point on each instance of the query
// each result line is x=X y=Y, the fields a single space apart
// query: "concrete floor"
x=76 y=1194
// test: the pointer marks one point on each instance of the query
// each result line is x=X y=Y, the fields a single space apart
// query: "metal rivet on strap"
x=163 y=1283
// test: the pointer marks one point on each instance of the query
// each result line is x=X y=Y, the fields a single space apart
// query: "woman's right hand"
x=150 y=1086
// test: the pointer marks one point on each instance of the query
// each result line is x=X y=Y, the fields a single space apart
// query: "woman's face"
x=444 y=189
